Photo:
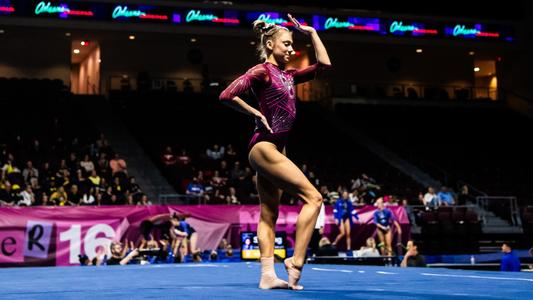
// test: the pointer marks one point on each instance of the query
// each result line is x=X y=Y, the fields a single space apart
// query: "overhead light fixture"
x=84 y=43
x=67 y=34
x=308 y=45
x=471 y=53
x=131 y=37
x=252 y=43
x=193 y=40
x=477 y=69
x=419 y=50
x=76 y=51
x=2 y=31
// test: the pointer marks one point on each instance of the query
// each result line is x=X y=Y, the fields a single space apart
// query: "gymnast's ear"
x=270 y=44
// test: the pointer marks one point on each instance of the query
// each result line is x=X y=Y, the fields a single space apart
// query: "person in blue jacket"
x=345 y=216
x=510 y=261
x=384 y=219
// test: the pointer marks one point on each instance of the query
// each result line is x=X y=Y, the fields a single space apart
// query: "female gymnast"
x=274 y=87
x=383 y=218
x=345 y=216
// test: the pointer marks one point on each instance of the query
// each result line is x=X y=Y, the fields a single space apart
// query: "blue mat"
x=239 y=281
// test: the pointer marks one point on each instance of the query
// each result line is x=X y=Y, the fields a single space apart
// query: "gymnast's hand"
x=261 y=121
x=307 y=30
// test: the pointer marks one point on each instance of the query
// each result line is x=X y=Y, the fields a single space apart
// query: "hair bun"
x=261 y=26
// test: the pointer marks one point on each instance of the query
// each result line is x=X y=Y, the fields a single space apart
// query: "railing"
x=412 y=210
x=412 y=91
x=518 y=95
x=169 y=84
x=180 y=199
x=491 y=203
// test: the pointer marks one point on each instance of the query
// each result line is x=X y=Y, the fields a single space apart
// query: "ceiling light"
x=76 y=51
x=477 y=69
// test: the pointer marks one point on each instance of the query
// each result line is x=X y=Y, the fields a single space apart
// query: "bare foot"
x=294 y=274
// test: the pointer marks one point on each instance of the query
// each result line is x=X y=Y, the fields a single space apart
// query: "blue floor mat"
x=239 y=281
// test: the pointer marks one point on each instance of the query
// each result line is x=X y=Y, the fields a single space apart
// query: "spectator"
x=59 y=197
x=325 y=194
x=94 y=178
x=464 y=197
x=134 y=188
x=30 y=172
x=72 y=163
x=168 y=158
x=510 y=261
x=195 y=189
x=431 y=200
x=369 y=250
x=7 y=194
x=216 y=153
x=325 y=248
x=184 y=159
x=354 y=197
x=45 y=200
x=107 y=195
x=74 y=195
x=118 y=188
x=445 y=197
x=118 y=254
x=144 y=200
x=223 y=169
x=118 y=166
x=231 y=155
x=28 y=198
x=237 y=174
x=46 y=174
x=87 y=164
x=88 y=197
x=412 y=258
x=232 y=197
x=216 y=181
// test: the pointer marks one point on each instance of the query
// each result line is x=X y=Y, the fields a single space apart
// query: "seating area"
x=450 y=229
x=479 y=145
x=57 y=157
x=331 y=158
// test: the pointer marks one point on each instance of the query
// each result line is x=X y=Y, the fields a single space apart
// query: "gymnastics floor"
x=239 y=281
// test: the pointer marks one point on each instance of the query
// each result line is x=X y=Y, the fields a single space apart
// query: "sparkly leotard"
x=274 y=90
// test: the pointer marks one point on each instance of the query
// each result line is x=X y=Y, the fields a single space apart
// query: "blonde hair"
x=265 y=32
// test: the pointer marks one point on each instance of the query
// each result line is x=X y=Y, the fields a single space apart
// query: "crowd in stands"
x=220 y=175
x=64 y=171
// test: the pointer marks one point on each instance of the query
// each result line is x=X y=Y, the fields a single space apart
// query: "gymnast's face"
x=281 y=47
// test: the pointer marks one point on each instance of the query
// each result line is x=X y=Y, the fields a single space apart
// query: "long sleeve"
x=376 y=221
x=309 y=73
x=254 y=77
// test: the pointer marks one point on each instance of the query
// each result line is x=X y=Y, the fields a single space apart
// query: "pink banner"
x=57 y=235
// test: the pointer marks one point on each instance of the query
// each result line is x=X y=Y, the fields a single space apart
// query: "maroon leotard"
x=274 y=89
